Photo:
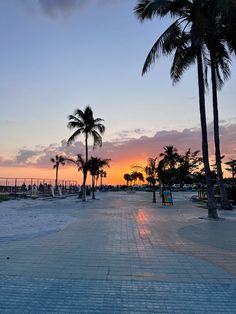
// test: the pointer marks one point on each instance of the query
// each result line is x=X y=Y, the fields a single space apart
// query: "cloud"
x=55 y=8
x=60 y=8
x=130 y=150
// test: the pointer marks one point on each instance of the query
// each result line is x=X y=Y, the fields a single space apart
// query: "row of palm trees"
x=170 y=167
x=133 y=177
x=203 y=32
x=83 y=123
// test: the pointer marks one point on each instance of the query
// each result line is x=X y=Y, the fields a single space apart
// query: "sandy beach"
x=29 y=217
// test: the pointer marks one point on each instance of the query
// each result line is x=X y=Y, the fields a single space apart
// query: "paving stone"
x=123 y=254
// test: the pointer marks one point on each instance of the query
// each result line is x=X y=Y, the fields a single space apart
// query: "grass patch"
x=4 y=198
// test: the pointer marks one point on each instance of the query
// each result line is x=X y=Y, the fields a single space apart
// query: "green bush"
x=4 y=197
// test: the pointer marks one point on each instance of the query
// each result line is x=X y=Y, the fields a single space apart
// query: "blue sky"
x=51 y=64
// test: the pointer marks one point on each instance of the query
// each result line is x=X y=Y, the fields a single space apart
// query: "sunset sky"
x=59 y=55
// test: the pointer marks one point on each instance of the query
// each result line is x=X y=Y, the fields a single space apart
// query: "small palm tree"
x=102 y=174
x=170 y=156
x=84 y=123
x=56 y=163
x=127 y=178
x=151 y=171
x=80 y=164
x=231 y=167
x=188 y=163
x=94 y=166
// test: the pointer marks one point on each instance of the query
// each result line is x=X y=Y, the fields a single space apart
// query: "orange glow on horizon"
x=114 y=174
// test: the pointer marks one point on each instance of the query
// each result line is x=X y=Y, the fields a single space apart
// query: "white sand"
x=24 y=217
x=28 y=217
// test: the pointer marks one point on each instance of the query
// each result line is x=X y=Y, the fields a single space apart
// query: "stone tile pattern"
x=122 y=255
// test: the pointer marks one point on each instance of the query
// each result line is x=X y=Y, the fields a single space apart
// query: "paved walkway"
x=122 y=254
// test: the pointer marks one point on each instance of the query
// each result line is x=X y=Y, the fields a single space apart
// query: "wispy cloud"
x=129 y=150
x=60 y=8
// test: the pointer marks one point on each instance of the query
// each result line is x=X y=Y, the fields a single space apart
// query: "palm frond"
x=100 y=127
x=97 y=139
x=75 y=124
x=79 y=113
x=164 y=45
x=184 y=57
x=98 y=120
x=73 y=136
x=147 y=9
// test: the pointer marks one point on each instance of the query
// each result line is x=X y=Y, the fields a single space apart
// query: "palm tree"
x=188 y=163
x=102 y=174
x=170 y=156
x=80 y=164
x=231 y=167
x=184 y=37
x=84 y=123
x=56 y=163
x=94 y=166
x=127 y=178
x=219 y=20
x=152 y=173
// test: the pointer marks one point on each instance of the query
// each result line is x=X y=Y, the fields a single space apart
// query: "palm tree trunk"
x=84 y=185
x=85 y=169
x=154 y=195
x=101 y=181
x=93 y=189
x=86 y=147
x=224 y=200
x=56 y=181
x=212 y=211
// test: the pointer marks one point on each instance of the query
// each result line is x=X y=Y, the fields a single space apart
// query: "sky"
x=59 y=55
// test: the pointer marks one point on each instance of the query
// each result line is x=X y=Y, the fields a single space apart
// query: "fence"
x=16 y=185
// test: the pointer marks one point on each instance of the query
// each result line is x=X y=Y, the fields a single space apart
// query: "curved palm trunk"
x=224 y=200
x=212 y=211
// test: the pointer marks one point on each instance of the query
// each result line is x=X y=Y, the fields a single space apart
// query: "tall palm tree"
x=84 y=123
x=184 y=37
x=94 y=166
x=56 y=163
x=217 y=41
x=151 y=171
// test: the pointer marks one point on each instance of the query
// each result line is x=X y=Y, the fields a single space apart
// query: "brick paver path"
x=123 y=254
